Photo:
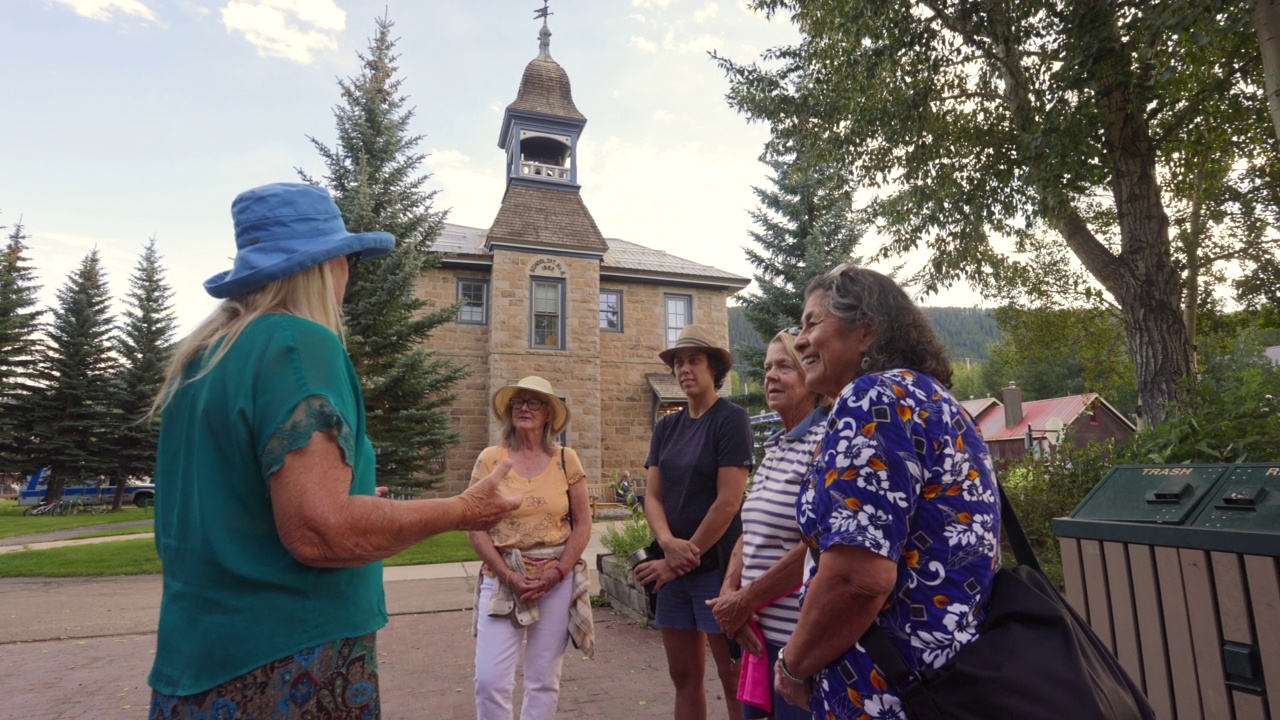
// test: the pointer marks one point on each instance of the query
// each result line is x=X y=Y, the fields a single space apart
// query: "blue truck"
x=33 y=491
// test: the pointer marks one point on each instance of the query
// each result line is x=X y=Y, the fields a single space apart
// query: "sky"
x=123 y=120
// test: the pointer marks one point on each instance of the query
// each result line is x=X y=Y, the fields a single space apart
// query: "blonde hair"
x=788 y=343
x=547 y=441
x=307 y=293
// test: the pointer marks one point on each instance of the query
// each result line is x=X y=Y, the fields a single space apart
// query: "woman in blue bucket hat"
x=267 y=522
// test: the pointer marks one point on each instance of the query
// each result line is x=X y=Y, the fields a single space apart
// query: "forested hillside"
x=967 y=332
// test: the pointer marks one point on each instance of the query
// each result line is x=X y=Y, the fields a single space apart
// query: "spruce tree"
x=19 y=325
x=72 y=416
x=143 y=344
x=805 y=226
x=374 y=173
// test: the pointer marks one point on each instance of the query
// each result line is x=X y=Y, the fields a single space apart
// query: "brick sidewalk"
x=425 y=661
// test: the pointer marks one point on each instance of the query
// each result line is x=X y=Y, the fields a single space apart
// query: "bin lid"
x=1248 y=498
x=1161 y=494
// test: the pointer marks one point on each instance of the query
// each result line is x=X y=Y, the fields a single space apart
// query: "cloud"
x=105 y=10
x=471 y=191
x=697 y=44
x=663 y=116
x=643 y=44
x=637 y=17
x=290 y=29
x=706 y=13
x=664 y=4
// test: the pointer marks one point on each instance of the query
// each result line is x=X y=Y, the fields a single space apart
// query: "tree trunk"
x=1142 y=278
x=1266 y=23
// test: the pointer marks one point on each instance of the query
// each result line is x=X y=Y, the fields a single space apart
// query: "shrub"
x=1042 y=489
x=627 y=536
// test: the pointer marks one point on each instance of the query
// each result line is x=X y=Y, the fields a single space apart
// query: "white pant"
x=498 y=642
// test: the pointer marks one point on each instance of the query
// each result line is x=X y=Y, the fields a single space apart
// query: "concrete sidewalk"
x=80 y=649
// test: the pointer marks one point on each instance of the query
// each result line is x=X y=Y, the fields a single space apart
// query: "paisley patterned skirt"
x=333 y=681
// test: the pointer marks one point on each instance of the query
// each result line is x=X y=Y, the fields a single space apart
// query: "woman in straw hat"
x=267 y=523
x=697 y=471
x=533 y=586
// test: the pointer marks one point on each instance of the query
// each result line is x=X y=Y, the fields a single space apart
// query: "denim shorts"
x=682 y=603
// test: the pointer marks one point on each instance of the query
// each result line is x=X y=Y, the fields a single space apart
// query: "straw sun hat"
x=559 y=411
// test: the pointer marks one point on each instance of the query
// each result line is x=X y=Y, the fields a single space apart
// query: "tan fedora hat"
x=559 y=411
x=695 y=337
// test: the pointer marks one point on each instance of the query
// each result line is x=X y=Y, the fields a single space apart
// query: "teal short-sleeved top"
x=234 y=597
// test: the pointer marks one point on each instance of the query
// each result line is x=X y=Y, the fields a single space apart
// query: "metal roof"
x=621 y=259
x=1036 y=414
x=977 y=407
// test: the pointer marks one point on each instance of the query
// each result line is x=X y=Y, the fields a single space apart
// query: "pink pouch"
x=755 y=685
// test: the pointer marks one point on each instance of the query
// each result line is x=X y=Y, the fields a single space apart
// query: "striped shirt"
x=769 y=526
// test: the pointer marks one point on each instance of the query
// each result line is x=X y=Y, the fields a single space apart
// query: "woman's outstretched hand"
x=483 y=504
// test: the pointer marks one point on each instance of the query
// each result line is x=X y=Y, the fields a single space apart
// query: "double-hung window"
x=548 y=314
x=474 y=296
x=611 y=310
x=679 y=313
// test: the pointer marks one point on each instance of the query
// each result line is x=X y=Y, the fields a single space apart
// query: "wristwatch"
x=782 y=665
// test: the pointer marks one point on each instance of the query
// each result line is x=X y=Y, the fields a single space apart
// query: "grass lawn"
x=14 y=523
x=138 y=557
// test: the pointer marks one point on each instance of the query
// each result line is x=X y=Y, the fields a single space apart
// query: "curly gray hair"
x=901 y=335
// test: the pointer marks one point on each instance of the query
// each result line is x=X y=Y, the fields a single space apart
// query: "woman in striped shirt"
x=762 y=582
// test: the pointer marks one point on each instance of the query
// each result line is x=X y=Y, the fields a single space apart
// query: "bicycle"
x=44 y=508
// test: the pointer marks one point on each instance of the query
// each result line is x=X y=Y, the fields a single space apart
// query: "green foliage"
x=968 y=333
x=1043 y=489
x=374 y=174
x=143 y=344
x=72 y=417
x=19 y=322
x=804 y=227
x=627 y=536
x=1232 y=421
x=1072 y=133
x=1052 y=352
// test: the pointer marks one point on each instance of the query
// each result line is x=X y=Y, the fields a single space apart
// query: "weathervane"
x=544 y=35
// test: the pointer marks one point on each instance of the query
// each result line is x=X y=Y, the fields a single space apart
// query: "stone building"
x=543 y=292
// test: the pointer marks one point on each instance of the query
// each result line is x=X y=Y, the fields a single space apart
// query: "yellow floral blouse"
x=543 y=519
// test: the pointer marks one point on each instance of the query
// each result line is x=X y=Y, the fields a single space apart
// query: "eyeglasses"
x=534 y=404
x=353 y=260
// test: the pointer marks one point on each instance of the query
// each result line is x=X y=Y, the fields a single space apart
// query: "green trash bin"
x=1176 y=568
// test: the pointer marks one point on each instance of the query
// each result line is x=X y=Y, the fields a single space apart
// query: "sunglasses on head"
x=793 y=331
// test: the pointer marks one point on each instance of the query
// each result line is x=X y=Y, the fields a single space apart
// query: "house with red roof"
x=1015 y=428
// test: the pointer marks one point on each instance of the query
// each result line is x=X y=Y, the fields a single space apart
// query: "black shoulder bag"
x=1034 y=658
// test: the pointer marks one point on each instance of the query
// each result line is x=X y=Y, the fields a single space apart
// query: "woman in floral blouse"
x=900 y=505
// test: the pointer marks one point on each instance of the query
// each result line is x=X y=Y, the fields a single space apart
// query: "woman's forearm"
x=359 y=529
x=715 y=523
x=780 y=579
x=842 y=601
x=482 y=543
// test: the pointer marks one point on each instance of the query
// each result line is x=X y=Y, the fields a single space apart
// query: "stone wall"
x=601 y=375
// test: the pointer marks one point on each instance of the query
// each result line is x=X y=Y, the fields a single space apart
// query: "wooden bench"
x=603 y=495
x=607 y=495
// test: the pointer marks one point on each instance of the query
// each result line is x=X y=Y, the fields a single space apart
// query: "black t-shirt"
x=689 y=453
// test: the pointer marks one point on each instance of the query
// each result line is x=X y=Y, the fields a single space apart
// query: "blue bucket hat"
x=284 y=228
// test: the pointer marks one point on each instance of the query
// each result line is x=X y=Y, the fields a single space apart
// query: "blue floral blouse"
x=904 y=473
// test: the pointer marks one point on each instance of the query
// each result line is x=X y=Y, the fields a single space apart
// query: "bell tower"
x=540 y=129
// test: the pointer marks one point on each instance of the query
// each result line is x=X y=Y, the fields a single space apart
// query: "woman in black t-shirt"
x=697 y=471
